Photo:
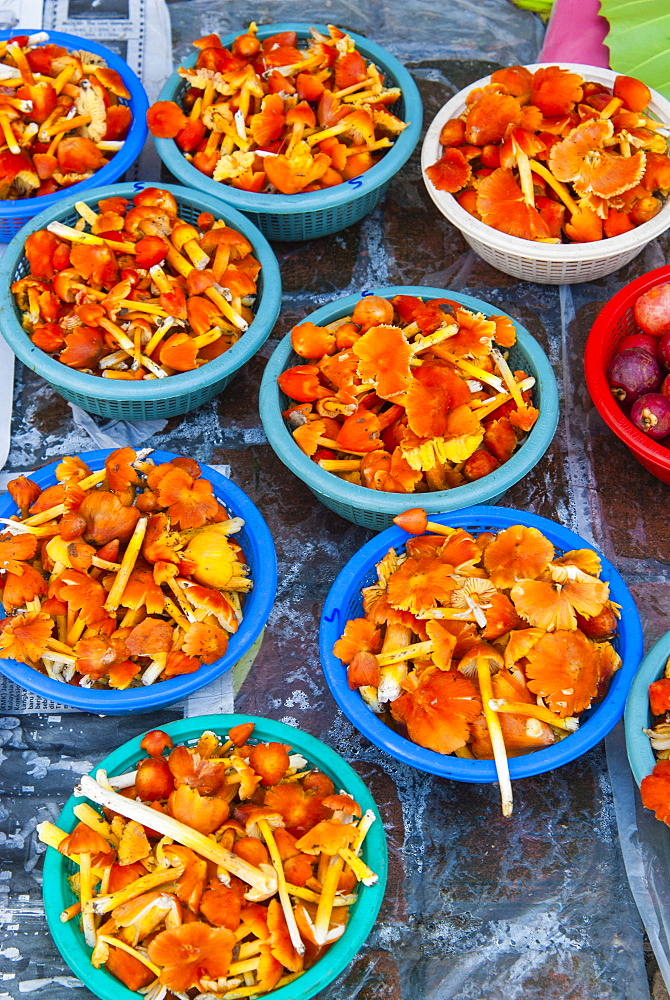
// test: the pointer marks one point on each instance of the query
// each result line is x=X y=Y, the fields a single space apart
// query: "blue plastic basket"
x=316 y=213
x=362 y=915
x=259 y=551
x=15 y=214
x=373 y=508
x=638 y=713
x=154 y=398
x=344 y=602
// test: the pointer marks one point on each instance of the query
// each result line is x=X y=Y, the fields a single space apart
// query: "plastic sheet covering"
x=534 y=908
x=645 y=845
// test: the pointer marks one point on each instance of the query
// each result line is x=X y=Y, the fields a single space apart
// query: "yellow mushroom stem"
x=209 y=337
x=75 y=631
x=358 y=867
x=118 y=943
x=570 y=725
x=525 y=174
x=284 y=899
x=127 y=565
x=394 y=673
x=76 y=236
x=176 y=614
x=560 y=189
x=495 y=732
x=145 y=307
x=158 y=336
x=69 y=912
x=127 y=344
x=87 y=814
x=105 y=564
x=340 y=465
x=184 y=267
x=325 y=907
x=263 y=883
x=328 y=133
x=64 y=77
x=86 y=212
x=16 y=52
x=447 y=614
x=464 y=752
x=427 y=343
x=473 y=370
x=509 y=379
x=66 y=125
x=309 y=896
x=8 y=134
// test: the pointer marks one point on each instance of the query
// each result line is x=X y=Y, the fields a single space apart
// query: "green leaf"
x=639 y=40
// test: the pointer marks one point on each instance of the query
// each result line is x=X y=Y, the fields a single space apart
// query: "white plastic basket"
x=547 y=263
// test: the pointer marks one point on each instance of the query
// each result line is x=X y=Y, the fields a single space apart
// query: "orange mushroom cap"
x=24 y=637
x=582 y=159
x=451 y=172
x=438 y=712
x=562 y=667
x=190 y=953
x=165 y=119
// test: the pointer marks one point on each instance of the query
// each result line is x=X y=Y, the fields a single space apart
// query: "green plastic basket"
x=58 y=895
x=638 y=715
x=154 y=398
x=316 y=213
x=375 y=509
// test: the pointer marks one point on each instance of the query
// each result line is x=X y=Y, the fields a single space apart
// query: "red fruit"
x=663 y=351
x=665 y=388
x=651 y=415
x=644 y=341
x=652 y=310
x=631 y=374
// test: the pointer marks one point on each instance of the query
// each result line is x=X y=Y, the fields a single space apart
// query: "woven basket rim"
x=513 y=246
x=362 y=498
x=70 y=940
x=314 y=201
x=58 y=374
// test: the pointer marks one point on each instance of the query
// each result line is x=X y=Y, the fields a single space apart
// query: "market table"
x=535 y=906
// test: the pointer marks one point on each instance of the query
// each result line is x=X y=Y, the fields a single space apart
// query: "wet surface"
x=533 y=907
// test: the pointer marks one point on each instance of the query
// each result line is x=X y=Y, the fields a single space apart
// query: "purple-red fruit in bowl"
x=631 y=374
x=644 y=341
x=652 y=310
x=663 y=351
x=665 y=387
x=651 y=415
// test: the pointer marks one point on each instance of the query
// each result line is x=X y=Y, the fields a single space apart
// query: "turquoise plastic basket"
x=15 y=214
x=317 y=213
x=638 y=713
x=362 y=915
x=345 y=601
x=259 y=551
x=156 y=397
x=373 y=508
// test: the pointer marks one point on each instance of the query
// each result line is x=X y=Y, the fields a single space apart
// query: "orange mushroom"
x=583 y=159
x=190 y=953
x=437 y=713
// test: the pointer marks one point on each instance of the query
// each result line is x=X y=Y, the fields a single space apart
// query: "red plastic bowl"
x=615 y=321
